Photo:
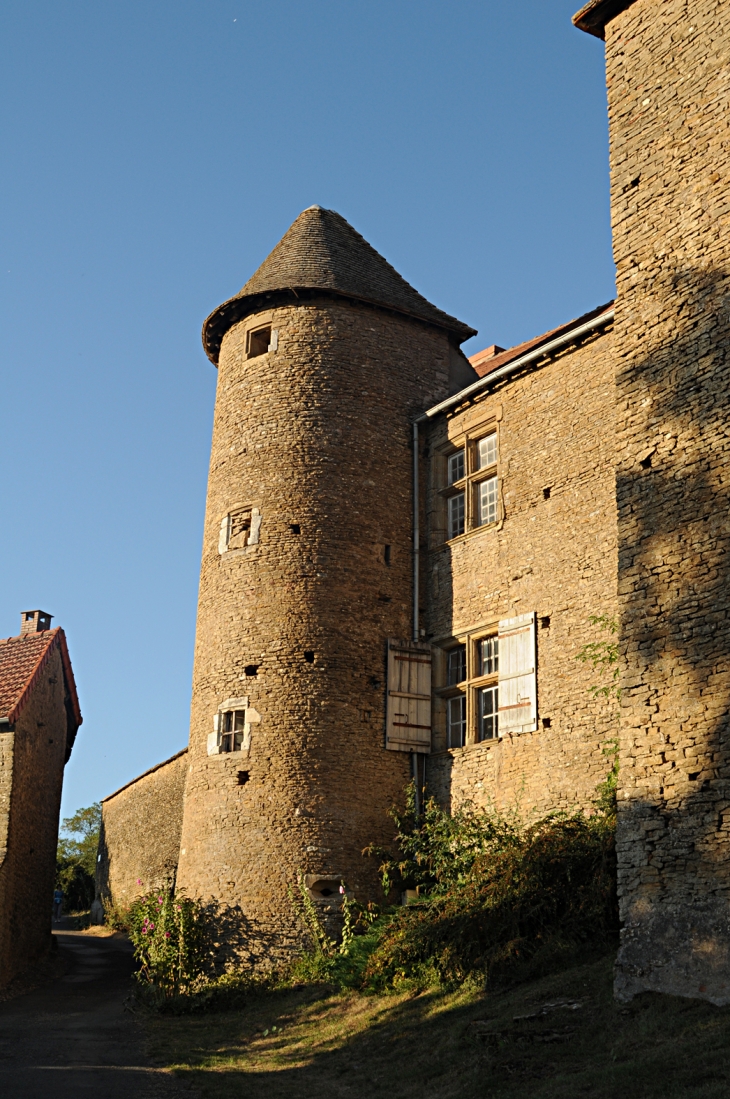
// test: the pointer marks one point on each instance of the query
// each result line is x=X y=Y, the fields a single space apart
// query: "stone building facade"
x=668 y=75
x=39 y=717
x=145 y=819
x=403 y=550
x=543 y=549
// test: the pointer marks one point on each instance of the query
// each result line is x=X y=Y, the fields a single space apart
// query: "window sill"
x=468 y=534
x=467 y=748
x=238 y=552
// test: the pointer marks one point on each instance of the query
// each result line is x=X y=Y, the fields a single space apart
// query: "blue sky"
x=154 y=154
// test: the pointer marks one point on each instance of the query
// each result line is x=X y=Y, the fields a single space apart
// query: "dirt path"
x=72 y=1037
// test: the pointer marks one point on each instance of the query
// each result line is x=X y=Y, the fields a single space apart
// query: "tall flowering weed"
x=172 y=941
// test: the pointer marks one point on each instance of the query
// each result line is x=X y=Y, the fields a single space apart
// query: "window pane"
x=456 y=466
x=487 y=451
x=488 y=501
x=232 y=727
x=457 y=722
x=457 y=665
x=488 y=656
x=456 y=515
x=488 y=716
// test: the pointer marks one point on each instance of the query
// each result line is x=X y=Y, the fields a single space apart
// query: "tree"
x=76 y=856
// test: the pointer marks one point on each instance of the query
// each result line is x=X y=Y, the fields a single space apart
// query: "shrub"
x=497 y=897
x=172 y=941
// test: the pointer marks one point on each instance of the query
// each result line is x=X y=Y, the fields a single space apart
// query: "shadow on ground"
x=72 y=1036
x=561 y=1036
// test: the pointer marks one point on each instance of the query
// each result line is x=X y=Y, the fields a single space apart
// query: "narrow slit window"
x=487 y=501
x=456 y=721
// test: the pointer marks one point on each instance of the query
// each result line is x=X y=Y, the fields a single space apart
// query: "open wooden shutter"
x=517 y=678
x=408 y=724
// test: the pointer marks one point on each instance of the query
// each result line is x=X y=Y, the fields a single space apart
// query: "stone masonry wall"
x=554 y=556
x=668 y=70
x=35 y=760
x=316 y=435
x=140 y=833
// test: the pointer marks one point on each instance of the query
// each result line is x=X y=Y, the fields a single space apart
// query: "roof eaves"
x=235 y=310
x=575 y=330
x=513 y=353
x=593 y=17
x=70 y=680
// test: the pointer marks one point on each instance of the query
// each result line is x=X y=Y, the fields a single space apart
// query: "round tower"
x=325 y=358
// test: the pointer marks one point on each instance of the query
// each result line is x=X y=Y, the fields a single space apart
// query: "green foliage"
x=76 y=857
x=173 y=942
x=498 y=897
x=603 y=656
x=327 y=960
x=437 y=851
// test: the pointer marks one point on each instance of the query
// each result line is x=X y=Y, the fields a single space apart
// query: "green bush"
x=496 y=898
x=172 y=942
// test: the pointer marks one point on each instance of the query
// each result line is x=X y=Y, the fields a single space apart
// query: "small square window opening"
x=232 y=730
x=258 y=341
x=456 y=671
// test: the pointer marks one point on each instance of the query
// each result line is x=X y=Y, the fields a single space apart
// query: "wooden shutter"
x=517 y=678
x=408 y=724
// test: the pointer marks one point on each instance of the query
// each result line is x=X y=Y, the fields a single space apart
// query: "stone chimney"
x=34 y=622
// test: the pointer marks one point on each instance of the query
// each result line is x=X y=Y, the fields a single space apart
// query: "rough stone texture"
x=669 y=82
x=555 y=557
x=140 y=833
x=32 y=758
x=315 y=434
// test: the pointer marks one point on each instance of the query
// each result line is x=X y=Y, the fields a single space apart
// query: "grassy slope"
x=438 y=1045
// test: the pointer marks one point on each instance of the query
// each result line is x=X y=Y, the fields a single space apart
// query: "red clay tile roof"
x=484 y=362
x=594 y=15
x=322 y=251
x=21 y=662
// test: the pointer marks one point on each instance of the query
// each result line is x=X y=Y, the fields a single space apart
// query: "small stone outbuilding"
x=39 y=717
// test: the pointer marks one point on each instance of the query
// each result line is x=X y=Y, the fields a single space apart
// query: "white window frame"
x=510 y=676
x=469 y=482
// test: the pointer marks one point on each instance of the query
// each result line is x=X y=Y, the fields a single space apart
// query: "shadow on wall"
x=157 y=877
x=673 y=491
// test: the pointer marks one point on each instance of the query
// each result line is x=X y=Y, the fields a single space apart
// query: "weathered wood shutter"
x=517 y=678
x=408 y=724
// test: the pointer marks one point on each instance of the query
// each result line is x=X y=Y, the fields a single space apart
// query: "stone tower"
x=325 y=358
x=668 y=67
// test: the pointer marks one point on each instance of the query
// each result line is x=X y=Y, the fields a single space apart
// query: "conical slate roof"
x=321 y=251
